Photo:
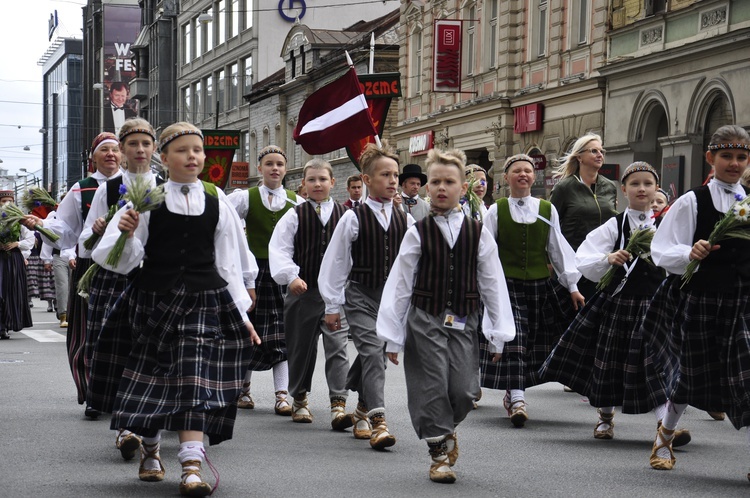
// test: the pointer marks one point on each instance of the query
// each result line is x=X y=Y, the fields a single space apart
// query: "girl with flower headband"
x=704 y=352
x=262 y=207
x=477 y=177
x=186 y=308
x=602 y=355
x=16 y=242
x=431 y=311
x=527 y=231
x=105 y=157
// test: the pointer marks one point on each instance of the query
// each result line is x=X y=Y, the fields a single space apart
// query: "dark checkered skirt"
x=542 y=310
x=106 y=354
x=706 y=355
x=14 y=304
x=40 y=283
x=76 y=336
x=268 y=320
x=602 y=356
x=189 y=355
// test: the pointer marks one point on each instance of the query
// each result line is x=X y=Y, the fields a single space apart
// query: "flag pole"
x=372 y=53
x=348 y=59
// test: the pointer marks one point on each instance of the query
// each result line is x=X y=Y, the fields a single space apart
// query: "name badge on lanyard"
x=454 y=322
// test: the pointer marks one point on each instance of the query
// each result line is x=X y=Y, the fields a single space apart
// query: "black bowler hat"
x=412 y=171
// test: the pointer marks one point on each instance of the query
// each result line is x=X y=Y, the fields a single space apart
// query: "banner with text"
x=446 y=68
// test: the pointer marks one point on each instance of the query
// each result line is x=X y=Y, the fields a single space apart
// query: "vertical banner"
x=121 y=27
x=446 y=67
x=219 y=146
x=379 y=89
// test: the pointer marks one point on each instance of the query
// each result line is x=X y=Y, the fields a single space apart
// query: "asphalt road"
x=49 y=449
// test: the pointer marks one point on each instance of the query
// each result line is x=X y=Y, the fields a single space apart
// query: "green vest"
x=260 y=222
x=88 y=189
x=523 y=248
x=210 y=188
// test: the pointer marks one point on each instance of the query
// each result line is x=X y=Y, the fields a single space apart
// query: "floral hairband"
x=641 y=167
x=729 y=146
x=179 y=134
x=271 y=150
x=525 y=159
x=125 y=133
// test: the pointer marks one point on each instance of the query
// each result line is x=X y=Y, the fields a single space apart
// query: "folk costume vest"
x=729 y=266
x=447 y=276
x=522 y=247
x=312 y=239
x=88 y=189
x=260 y=221
x=645 y=278
x=375 y=249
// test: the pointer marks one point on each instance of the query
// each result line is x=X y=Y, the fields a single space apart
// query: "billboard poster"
x=122 y=24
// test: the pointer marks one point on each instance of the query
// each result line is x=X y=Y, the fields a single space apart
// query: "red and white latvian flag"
x=334 y=116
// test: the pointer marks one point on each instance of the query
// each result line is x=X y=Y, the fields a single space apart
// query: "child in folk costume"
x=186 y=306
x=430 y=311
x=299 y=242
x=261 y=208
x=39 y=281
x=705 y=352
x=478 y=175
x=362 y=250
x=16 y=242
x=528 y=235
x=660 y=204
x=104 y=161
x=602 y=355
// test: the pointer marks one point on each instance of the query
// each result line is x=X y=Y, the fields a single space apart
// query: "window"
x=221 y=22
x=248 y=14
x=197 y=109
x=209 y=29
x=471 y=31
x=492 y=34
x=208 y=109
x=246 y=147
x=220 y=82
x=186 y=111
x=583 y=21
x=541 y=26
x=415 y=78
x=247 y=76
x=234 y=84
x=233 y=25
x=186 y=45
x=198 y=38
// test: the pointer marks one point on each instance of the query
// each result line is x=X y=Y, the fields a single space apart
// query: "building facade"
x=62 y=154
x=675 y=71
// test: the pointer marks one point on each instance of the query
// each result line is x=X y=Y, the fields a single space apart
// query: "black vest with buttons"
x=447 y=276
x=180 y=249
x=311 y=240
x=375 y=249
x=644 y=279
x=726 y=267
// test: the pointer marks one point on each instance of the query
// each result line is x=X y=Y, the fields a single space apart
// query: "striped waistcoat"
x=375 y=249
x=311 y=240
x=447 y=276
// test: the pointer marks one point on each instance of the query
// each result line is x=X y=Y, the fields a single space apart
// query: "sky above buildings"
x=24 y=40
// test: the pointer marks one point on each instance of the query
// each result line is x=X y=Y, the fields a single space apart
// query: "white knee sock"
x=674 y=412
x=660 y=411
x=191 y=450
x=148 y=443
x=516 y=395
x=281 y=376
x=248 y=376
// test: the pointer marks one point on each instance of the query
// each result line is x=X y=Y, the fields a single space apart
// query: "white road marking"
x=44 y=335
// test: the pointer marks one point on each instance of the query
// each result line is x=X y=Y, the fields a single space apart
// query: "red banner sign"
x=446 y=70
x=421 y=143
x=219 y=146
x=528 y=118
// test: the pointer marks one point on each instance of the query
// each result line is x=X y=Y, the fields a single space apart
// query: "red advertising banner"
x=446 y=68
x=219 y=146
x=239 y=177
x=528 y=118
x=122 y=23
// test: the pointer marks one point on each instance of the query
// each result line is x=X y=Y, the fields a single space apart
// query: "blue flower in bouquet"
x=739 y=197
x=123 y=189
x=37 y=203
x=121 y=203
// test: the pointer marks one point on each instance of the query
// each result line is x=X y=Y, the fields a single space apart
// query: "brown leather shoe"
x=661 y=441
x=150 y=451
x=301 y=412
x=380 y=438
x=282 y=406
x=605 y=419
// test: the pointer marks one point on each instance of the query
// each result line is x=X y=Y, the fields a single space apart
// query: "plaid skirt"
x=40 y=283
x=14 y=304
x=706 y=354
x=542 y=310
x=76 y=336
x=602 y=355
x=268 y=320
x=189 y=355
x=106 y=354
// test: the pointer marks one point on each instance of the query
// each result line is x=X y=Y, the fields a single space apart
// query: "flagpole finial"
x=378 y=142
x=348 y=59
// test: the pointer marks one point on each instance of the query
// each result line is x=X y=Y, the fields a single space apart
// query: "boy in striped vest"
x=299 y=241
x=430 y=311
x=362 y=250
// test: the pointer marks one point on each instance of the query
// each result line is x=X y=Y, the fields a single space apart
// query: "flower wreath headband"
x=131 y=131
x=271 y=150
x=639 y=166
x=517 y=159
x=714 y=147
x=178 y=134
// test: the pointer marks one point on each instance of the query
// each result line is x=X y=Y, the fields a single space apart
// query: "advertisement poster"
x=121 y=28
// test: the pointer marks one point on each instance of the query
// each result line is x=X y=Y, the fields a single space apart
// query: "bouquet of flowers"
x=473 y=200
x=732 y=226
x=143 y=197
x=639 y=245
x=84 y=284
x=10 y=213
x=90 y=242
x=37 y=197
